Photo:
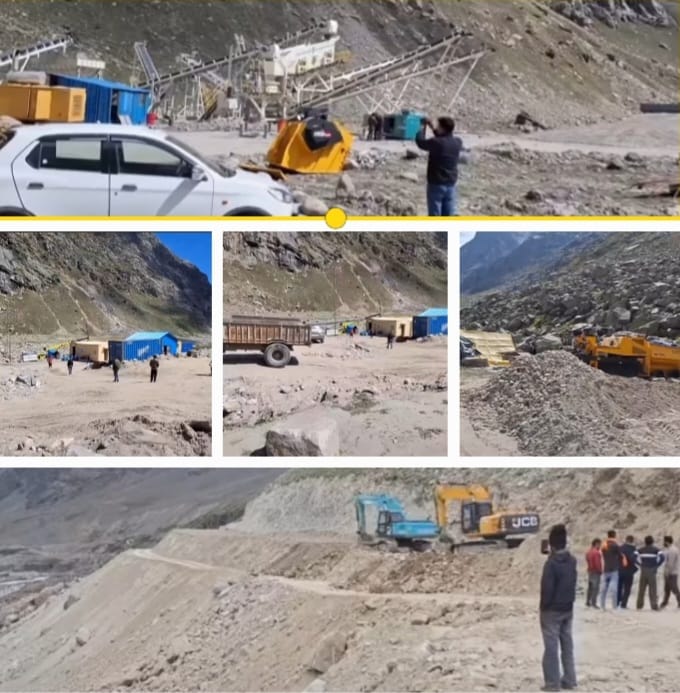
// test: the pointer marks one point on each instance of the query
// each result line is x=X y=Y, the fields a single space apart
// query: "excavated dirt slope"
x=204 y=610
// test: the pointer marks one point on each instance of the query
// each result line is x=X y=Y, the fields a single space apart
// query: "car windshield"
x=212 y=164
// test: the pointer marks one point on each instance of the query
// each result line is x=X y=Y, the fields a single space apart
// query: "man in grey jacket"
x=670 y=572
x=558 y=593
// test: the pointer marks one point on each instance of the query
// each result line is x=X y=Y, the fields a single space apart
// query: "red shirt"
x=594 y=560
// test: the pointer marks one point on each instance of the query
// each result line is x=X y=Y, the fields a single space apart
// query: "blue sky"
x=196 y=248
x=466 y=236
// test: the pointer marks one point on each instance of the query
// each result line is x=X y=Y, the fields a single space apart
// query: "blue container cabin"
x=432 y=322
x=109 y=102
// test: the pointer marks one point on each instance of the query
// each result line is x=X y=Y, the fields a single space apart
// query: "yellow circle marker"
x=336 y=218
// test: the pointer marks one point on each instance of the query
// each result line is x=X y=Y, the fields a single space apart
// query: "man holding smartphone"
x=442 y=167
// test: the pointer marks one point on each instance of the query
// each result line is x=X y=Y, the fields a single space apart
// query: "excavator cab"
x=471 y=514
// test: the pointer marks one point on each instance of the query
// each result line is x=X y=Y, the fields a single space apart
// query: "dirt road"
x=92 y=413
x=384 y=402
x=162 y=619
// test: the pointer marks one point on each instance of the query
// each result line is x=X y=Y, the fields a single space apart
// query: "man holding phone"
x=442 y=167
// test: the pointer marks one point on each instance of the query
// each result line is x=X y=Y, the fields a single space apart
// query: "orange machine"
x=629 y=354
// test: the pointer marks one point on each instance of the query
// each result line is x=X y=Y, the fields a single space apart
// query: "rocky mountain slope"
x=98 y=283
x=320 y=272
x=618 y=280
x=491 y=260
x=563 y=61
x=66 y=522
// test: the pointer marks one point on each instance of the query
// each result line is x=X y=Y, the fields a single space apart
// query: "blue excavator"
x=393 y=529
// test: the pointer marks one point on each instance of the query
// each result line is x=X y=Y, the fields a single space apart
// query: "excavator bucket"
x=308 y=146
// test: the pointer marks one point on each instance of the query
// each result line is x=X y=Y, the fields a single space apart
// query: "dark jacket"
x=611 y=554
x=154 y=364
x=629 y=559
x=442 y=164
x=650 y=557
x=558 y=583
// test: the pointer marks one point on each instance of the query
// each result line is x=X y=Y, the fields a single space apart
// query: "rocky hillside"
x=564 y=61
x=72 y=520
x=315 y=273
x=617 y=280
x=587 y=499
x=98 y=283
x=491 y=260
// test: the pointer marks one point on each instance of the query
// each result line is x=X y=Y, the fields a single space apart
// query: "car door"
x=64 y=175
x=151 y=178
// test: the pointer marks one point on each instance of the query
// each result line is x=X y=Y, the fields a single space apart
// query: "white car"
x=118 y=170
x=318 y=334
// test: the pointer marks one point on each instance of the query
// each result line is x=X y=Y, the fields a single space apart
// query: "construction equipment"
x=393 y=529
x=480 y=523
x=311 y=145
x=628 y=354
x=402 y=126
x=274 y=337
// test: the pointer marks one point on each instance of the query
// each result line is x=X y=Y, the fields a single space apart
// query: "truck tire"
x=277 y=355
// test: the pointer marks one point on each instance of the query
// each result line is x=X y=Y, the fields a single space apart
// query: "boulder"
x=306 y=434
x=70 y=601
x=345 y=188
x=410 y=176
x=82 y=637
x=313 y=207
x=329 y=651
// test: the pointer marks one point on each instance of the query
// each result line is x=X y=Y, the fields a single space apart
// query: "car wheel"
x=14 y=212
x=248 y=212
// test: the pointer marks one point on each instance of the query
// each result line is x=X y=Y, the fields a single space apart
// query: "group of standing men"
x=612 y=568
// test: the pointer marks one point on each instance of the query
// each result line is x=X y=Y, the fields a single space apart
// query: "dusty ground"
x=384 y=403
x=555 y=405
x=209 y=606
x=586 y=170
x=87 y=414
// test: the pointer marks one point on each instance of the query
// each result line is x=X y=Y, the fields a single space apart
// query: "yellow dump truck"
x=275 y=338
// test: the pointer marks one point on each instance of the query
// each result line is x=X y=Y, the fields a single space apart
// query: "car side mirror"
x=198 y=174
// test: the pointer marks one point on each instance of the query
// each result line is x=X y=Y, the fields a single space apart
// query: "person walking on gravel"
x=558 y=594
x=116 y=370
x=442 y=165
x=671 y=569
x=154 y=364
x=69 y=365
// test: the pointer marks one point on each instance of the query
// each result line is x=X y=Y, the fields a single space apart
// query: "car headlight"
x=282 y=195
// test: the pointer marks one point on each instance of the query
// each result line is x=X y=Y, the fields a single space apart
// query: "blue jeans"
x=441 y=200
x=610 y=581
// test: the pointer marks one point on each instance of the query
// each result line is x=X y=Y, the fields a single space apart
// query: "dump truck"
x=275 y=338
x=628 y=354
x=480 y=523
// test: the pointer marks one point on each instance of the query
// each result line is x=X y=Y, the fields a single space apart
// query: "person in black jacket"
x=627 y=570
x=442 y=165
x=611 y=557
x=650 y=558
x=558 y=593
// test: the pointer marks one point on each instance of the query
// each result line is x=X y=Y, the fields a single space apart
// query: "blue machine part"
x=402 y=126
x=392 y=520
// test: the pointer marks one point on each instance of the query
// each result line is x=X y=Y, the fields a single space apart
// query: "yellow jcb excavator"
x=480 y=524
